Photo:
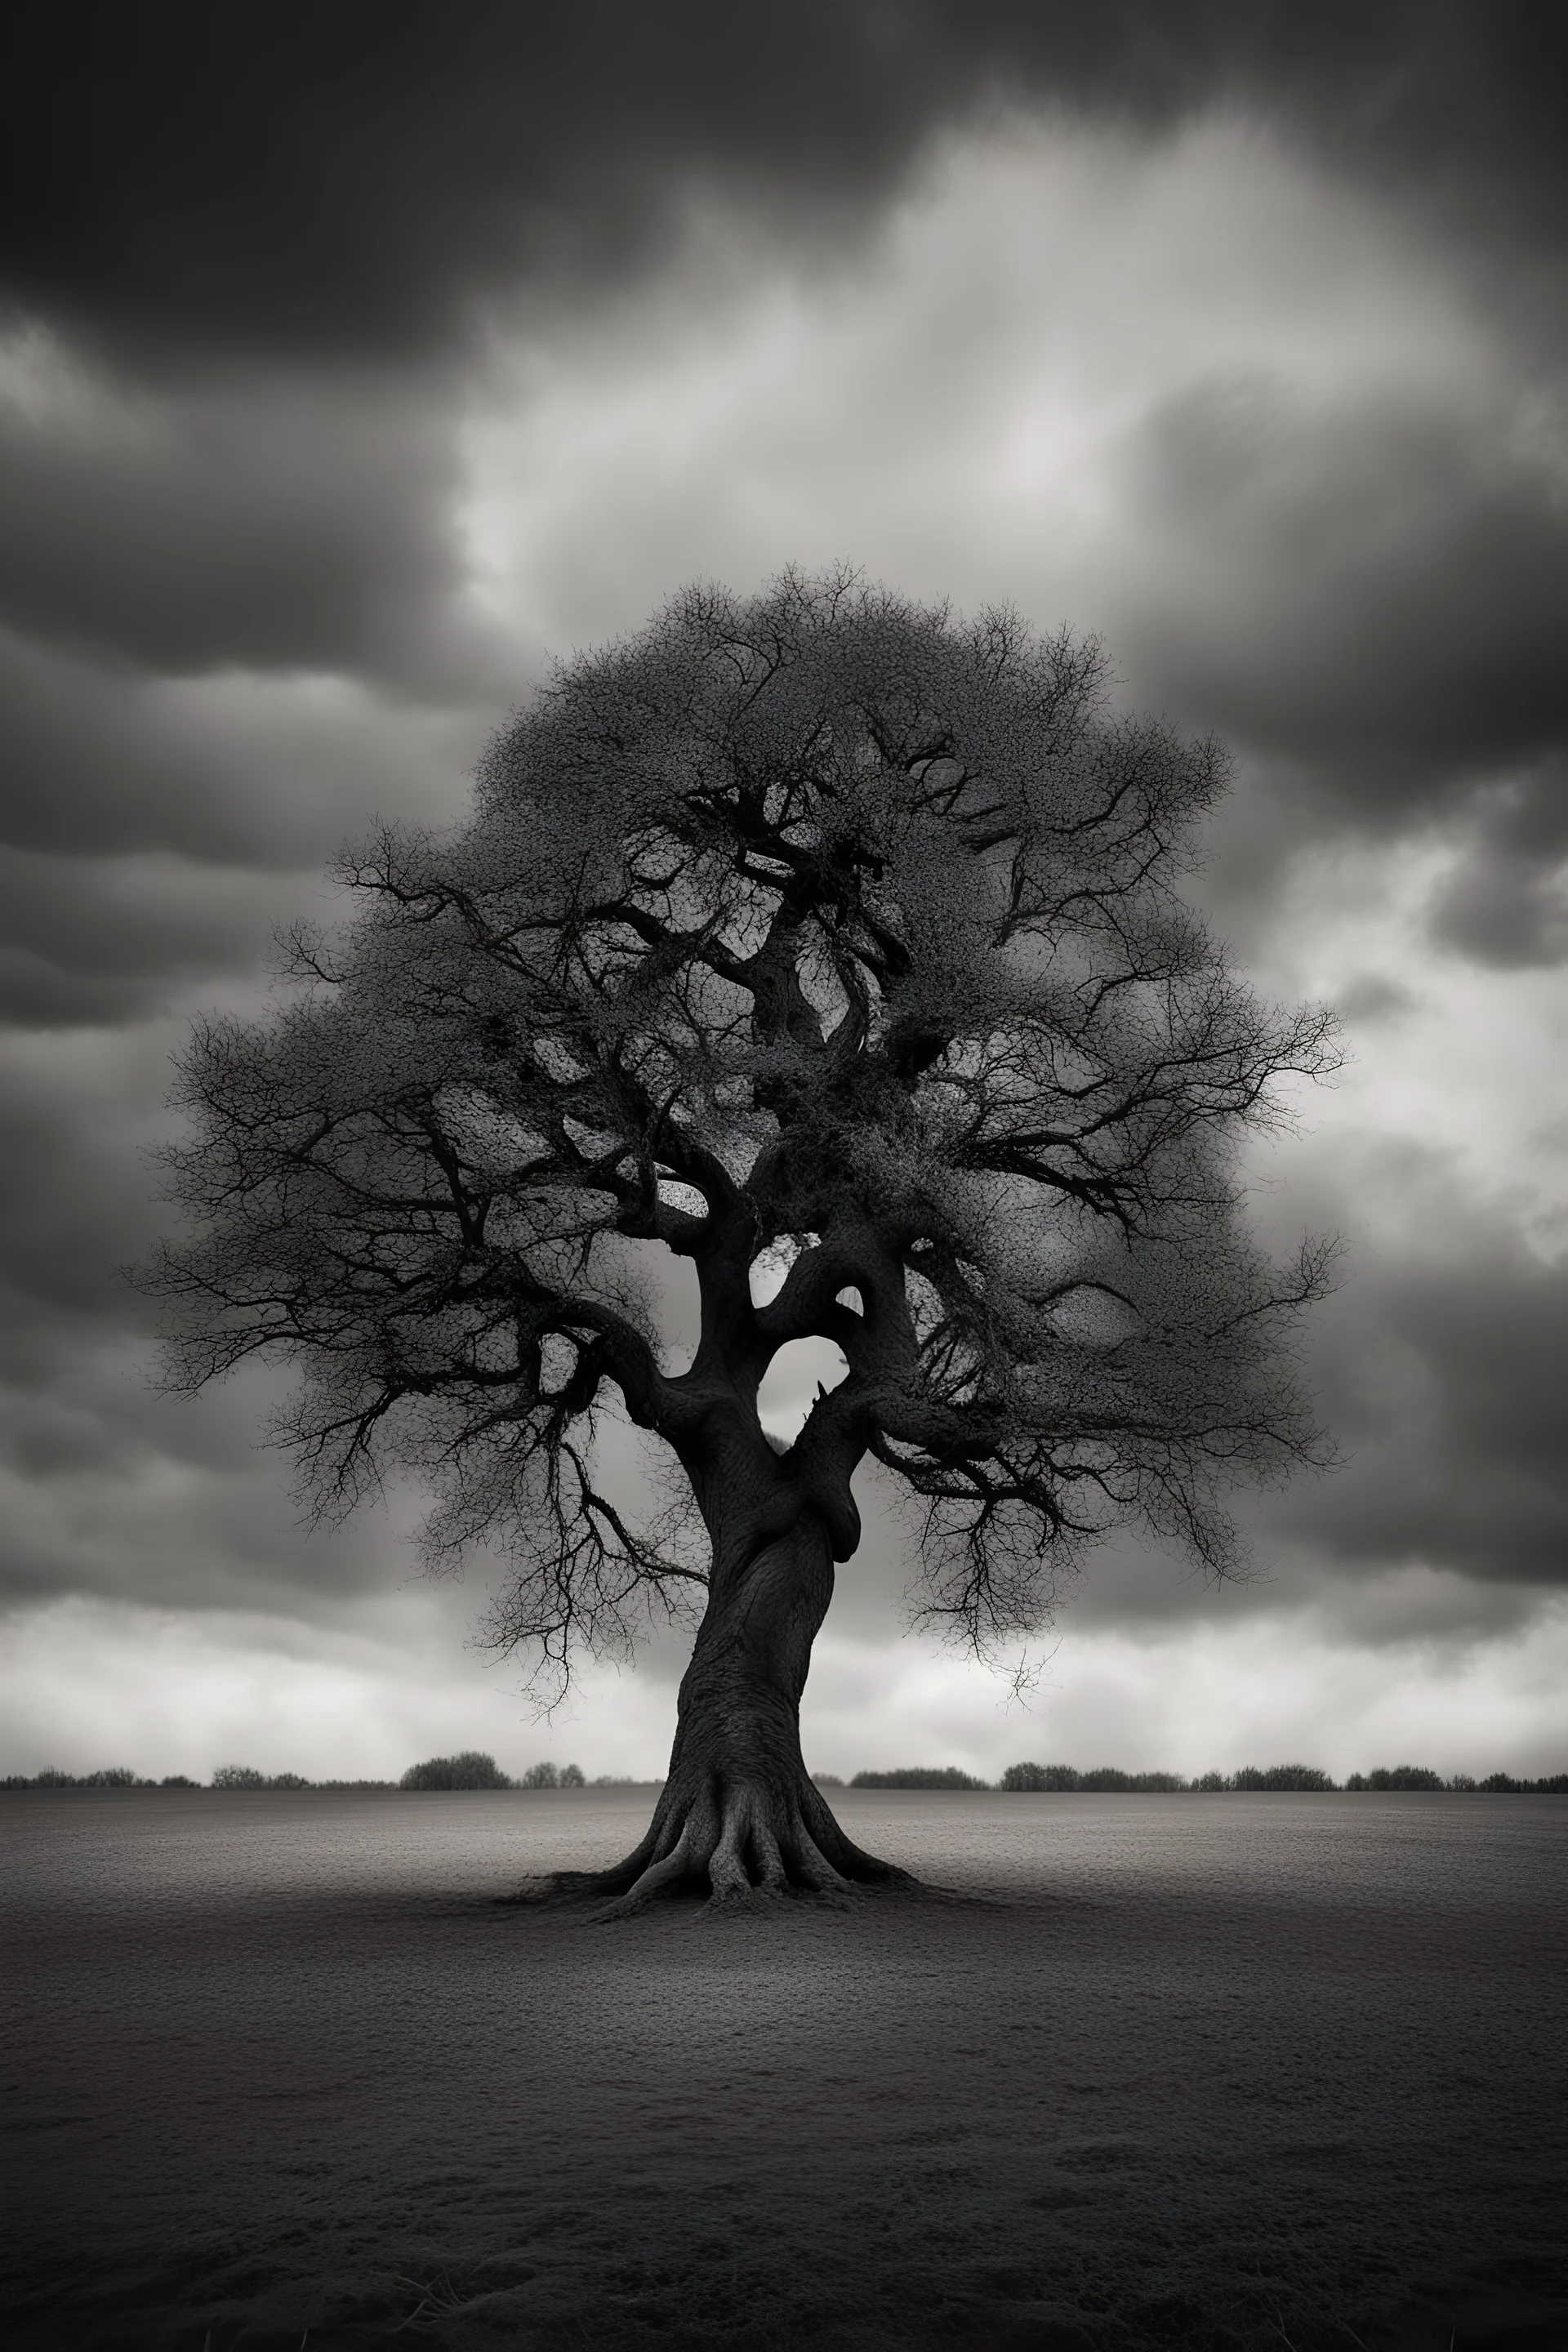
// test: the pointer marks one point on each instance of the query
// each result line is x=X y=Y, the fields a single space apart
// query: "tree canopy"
x=819 y=929
x=822 y=924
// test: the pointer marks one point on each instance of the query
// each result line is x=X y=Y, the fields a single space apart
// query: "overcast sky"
x=350 y=369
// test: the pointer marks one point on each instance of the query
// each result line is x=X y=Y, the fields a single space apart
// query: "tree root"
x=743 y=1844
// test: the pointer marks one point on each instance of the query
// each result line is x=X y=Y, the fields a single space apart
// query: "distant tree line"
x=1063 y=1780
x=474 y=1770
x=226 y=1776
x=919 y=1776
x=471 y=1769
x=1291 y=1777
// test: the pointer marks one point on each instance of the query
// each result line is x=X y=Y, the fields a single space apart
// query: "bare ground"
x=1192 y=2071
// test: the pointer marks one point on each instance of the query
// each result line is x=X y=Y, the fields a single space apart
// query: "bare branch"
x=819 y=920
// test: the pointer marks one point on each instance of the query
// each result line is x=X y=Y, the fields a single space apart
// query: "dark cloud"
x=1372 y=596
x=232 y=623
x=1377 y=592
x=1444 y=1376
x=1369 y=599
x=108 y=1487
x=108 y=942
x=1506 y=905
x=76 y=1202
x=345 y=180
x=90 y=1465
x=233 y=768
x=265 y=524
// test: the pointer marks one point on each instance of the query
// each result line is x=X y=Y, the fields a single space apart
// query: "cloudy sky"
x=353 y=361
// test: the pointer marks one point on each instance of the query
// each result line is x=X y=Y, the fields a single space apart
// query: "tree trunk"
x=739 y=1816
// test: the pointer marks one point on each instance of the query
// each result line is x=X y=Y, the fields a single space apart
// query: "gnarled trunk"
x=737 y=1815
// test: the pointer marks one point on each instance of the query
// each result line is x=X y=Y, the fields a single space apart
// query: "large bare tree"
x=821 y=930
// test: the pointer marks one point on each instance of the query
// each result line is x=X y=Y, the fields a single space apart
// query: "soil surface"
x=1199 y=2071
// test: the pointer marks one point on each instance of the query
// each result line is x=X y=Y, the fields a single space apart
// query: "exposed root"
x=741 y=1843
x=660 y=1878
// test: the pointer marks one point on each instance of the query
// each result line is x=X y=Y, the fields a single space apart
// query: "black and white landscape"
x=926 y=642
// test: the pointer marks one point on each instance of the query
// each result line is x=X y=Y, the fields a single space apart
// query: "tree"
x=820 y=933
x=472 y=1770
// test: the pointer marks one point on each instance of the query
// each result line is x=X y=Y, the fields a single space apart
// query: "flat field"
x=1206 y=2072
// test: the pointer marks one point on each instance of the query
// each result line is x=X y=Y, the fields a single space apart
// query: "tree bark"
x=739 y=1816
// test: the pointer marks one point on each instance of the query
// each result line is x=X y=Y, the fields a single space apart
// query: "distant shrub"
x=178 y=1781
x=1283 y=1776
x=540 y=1776
x=919 y=1776
x=571 y=1776
x=1404 y=1776
x=471 y=1769
x=1063 y=1780
x=829 y=1780
x=1211 y=1783
x=245 y=1776
x=115 y=1776
x=1461 y=1782
x=1035 y=1778
x=1107 y=1779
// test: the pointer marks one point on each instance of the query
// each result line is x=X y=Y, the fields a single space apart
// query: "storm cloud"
x=349 y=184
x=352 y=363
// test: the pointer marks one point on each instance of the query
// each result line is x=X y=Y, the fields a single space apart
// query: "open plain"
x=1184 y=2070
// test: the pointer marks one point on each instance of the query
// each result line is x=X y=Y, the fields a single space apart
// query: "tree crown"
x=821 y=928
